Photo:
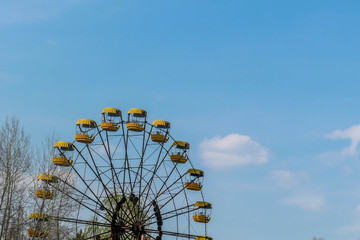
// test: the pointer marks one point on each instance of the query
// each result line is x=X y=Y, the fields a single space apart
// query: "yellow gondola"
x=47 y=178
x=63 y=154
x=44 y=194
x=203 y=205
x=36 y=233
x=203 y=238
x=193 y=181
x=85 y=130
x=62 y=161
x=160 y=136
x=136 y=120
x=193 y=186
x=179 y=154
x=111 y=119
x=64 y=146
x=203 y=213
x=39 y=216
x=202 y=218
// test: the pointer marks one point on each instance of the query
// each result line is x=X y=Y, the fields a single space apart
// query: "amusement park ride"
x=134 y=182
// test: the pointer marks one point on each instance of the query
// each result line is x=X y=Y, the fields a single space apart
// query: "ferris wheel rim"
x=124 y=139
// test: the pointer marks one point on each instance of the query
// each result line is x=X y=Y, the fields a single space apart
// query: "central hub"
x=138 y=228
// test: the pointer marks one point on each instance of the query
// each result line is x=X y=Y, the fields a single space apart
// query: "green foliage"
x=79 y=236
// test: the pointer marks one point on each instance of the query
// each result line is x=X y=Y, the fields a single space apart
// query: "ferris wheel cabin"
x=194 y=179
x=63 y=154
x=39 y=216
x=85 y=130
x=35 y=230
x=162 y=129
x=44 y=193
x=203 y=238
x=178 y=155
x=111 y=119
x=47 y=178
x=203 y=213
x=136 y=120
x=36 y=233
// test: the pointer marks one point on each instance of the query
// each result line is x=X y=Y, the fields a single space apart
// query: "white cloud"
x=308 y=202
x=232 y=150
x=288 y=179
x=352 y=133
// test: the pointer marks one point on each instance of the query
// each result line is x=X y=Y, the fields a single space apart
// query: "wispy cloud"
x=308 y=202
x=7 y=79
x=350 y=228
x=159 y=97
x=22 y=11
x=346 y=170
x=231 y=151
x=352 y=133
x=288 y=179
x=51 y=42
x=357 y=210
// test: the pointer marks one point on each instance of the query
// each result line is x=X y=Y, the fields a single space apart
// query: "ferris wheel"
x=127 y=179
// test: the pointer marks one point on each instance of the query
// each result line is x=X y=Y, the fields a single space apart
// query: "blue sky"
x=263 y=85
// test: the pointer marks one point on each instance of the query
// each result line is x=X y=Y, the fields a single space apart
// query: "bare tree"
x=17 y=193
x=314 y=238
x=60 y=205
x=15 y=161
